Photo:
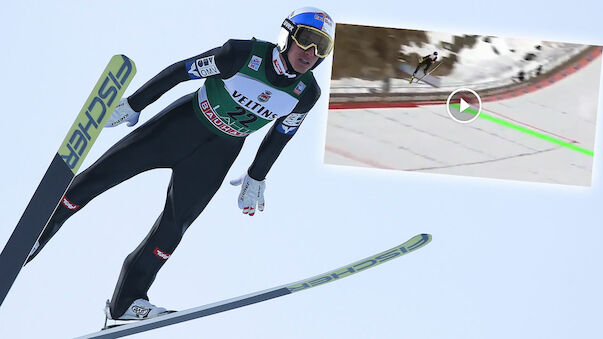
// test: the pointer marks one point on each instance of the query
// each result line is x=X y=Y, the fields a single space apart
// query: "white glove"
x=252 y=194
x=123 y=112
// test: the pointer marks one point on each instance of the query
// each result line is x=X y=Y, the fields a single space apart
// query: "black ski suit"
x=199 y=150
x=426 y=61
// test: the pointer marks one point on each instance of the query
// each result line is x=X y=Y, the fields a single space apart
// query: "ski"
x=419 y=79
x=412 y=244
x=65 y=164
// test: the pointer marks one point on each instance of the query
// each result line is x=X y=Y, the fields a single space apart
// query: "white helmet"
x=307 y=27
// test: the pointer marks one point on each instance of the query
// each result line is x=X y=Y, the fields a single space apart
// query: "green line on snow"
x=526 y=130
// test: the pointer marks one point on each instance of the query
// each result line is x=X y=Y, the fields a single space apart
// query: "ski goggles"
x=307 y=36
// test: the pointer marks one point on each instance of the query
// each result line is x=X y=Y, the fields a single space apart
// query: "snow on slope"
x=426 y=139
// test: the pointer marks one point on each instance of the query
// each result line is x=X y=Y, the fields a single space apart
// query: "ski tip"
x=123 y=59
x=123 y=56
x=418 y=241
x=423 y=237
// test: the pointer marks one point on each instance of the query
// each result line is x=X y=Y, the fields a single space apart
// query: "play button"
x=464 y=105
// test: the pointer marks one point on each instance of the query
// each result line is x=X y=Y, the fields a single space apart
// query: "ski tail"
x=411 y=245
x=65 y=164
x=96 y=111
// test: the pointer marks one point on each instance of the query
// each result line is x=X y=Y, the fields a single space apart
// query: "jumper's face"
x=301 y=60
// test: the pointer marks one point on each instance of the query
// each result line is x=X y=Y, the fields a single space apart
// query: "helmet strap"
x=290 y=26
x=285 y=54
x=317 y=63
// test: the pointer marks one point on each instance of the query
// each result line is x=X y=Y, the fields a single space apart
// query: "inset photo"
x=463 y=104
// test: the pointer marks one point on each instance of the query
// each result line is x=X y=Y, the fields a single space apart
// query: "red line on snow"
x=355 y=157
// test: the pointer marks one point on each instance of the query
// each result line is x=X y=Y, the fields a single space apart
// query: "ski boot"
x=140 y=309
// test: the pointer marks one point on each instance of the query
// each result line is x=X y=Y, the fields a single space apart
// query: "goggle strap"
x=289 y=25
